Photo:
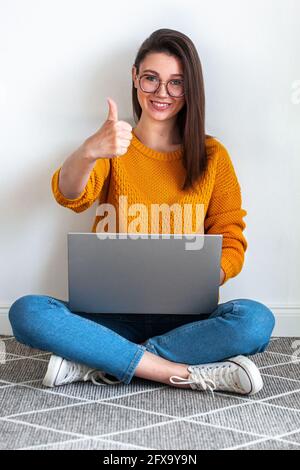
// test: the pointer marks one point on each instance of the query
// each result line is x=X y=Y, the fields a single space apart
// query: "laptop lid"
x=149 y=273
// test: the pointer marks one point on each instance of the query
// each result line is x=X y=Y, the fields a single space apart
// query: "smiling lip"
x=158 y=108
x=160 y=102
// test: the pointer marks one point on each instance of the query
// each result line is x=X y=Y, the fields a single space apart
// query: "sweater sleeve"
x=225 y=215
x=93 y=189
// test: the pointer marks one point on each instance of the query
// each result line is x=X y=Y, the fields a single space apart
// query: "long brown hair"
x=191 y=118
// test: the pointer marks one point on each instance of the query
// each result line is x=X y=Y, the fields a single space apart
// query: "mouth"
x=160 y=105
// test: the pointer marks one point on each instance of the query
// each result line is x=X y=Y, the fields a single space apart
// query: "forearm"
x=75 y=173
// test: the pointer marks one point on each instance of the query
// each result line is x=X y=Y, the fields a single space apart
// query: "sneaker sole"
x=53 y=370
x=252 y=372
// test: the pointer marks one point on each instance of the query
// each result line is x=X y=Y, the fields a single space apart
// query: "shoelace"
x=93 y=374
x=197 y=379
x=79 y=371
x=220 y=377
x=75 y=371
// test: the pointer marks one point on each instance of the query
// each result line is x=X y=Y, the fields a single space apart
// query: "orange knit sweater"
x=146 y=176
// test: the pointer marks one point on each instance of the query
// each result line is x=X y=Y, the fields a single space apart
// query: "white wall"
x=60 y=59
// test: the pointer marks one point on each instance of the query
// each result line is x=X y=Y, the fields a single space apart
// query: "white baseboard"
x=5 y=328
x=287 y=320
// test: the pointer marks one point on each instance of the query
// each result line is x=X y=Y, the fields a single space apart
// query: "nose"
x=159 y=90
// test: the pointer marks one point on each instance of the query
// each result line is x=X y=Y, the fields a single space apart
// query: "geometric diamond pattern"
x=146 y=414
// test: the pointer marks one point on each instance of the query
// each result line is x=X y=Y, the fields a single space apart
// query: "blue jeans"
x=111 y=342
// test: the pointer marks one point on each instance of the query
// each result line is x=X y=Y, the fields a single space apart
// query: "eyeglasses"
x=151 y=83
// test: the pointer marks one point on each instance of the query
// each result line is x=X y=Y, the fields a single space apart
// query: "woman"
x=166 y=158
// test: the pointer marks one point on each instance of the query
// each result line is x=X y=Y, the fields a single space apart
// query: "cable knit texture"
x=153 y=178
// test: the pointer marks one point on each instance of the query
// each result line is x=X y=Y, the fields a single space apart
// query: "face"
x=166 y=68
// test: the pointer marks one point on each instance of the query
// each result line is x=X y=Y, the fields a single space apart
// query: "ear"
x=134 y=76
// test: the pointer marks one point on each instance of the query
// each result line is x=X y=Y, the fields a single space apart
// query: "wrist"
x=85 y=153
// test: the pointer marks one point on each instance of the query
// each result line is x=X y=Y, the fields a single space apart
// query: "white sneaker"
x=61 y=372
x=237 y=374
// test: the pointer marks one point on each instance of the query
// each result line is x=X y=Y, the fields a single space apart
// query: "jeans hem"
x=128 y=375
x=150 y=347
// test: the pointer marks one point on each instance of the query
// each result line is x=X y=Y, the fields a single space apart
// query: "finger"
x=124 y=126
x=123 y=148
x=125 y=143
x=125 y=135
x=121 y=151
x=113 y=110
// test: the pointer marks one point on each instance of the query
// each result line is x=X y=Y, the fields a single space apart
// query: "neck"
x=156 y=134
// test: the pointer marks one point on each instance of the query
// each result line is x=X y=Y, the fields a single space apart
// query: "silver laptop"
x=159 y=274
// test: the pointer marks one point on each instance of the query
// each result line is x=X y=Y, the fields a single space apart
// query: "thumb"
x=113 y=110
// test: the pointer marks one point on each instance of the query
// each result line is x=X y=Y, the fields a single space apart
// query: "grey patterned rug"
x=146 y=414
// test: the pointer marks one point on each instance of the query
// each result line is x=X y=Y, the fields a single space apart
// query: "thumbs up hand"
x=112 y=139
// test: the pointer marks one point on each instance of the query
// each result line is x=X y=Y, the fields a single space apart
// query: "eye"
x=150 y=77
x=177 y=82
